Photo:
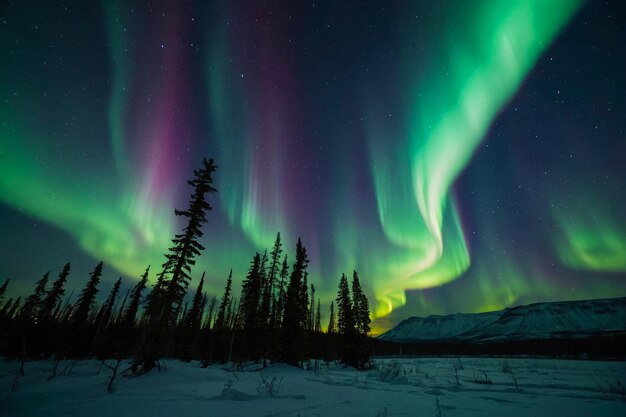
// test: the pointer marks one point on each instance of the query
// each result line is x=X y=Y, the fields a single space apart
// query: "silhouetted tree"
x=360 y=306
x=181 y=256
x=87 y=297
x=295 y=309
x=135 y=299
x=269 y=298
x=282 y=293
x=193 y=318
x=249 y=309
x=193 y=321
x=221 y=311
x=52 y=300
x=318 y=318
x=166 y=298
x=331 y=321
x=345 y=322
x=105 y=314
x=33 y=301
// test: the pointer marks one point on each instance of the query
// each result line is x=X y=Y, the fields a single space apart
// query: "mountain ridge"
x=536 y=321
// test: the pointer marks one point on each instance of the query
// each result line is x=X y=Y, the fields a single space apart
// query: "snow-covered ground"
x=406 y=387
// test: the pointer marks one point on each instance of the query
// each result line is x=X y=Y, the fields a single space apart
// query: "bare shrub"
x=269 y=386
x=481 y=377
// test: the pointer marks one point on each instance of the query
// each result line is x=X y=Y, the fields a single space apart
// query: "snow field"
x=442 y=386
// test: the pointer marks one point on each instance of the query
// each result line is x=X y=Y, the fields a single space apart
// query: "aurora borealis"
x=463 y=156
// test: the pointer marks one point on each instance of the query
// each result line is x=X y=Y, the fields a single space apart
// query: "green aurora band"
x=478 y=70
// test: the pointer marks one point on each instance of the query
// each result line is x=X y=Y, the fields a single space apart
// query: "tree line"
x=276 y=318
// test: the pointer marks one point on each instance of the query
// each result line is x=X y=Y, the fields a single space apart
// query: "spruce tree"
x=222 y=310
x=331 y=321
x=181 y=256
x=295 y=310
x=264 y=296
x=106 y=312
x=194 y=316
x=360 y=305
x=304 y=301
x=345 y=322
x=312 y=309
x=269 y=299
x=135 y=299
x=33 y=301
x=318 y=318
x=282 y=294
x=87 y=297
x=193 y=321
x=250 y=293
x=53 y=298
x=167 y=296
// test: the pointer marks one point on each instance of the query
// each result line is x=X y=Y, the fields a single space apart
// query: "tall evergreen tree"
x=33 y=301
x=312 y=309
x=331 y=321
x=106 y=312
x=53 y=298
x=135 y=299
x=269 y=299
x=360 y=306
x=250 y=293
x=264 y=306
x=181 y=256
x=345 y=322
x=318 y=318
x=194 y=316
x=282 y=293
x=295 y=310
x=304 y=301
x=87 y=297
x=223 y=308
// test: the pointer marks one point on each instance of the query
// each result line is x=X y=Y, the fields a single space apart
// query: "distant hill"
x=540 y=321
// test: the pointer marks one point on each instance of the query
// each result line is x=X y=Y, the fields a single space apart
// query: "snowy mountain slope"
x=566 y=319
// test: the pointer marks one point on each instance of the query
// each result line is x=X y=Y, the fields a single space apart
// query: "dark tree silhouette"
x=31 y=305
x=181 y=256
x=360 y=306
x=166 y=299
x=193 y=318
x=135 y=299
x=269 y=298
x=106 y=312
x=318 y=318
x=249 y=309
x=345 y=322
x=52 y=300
x=331 y=321
x=282 y=294
x=221 y=311
x=295 y=309
x=87 y=297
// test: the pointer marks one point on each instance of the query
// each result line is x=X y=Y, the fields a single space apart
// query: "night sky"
x=463 y=156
